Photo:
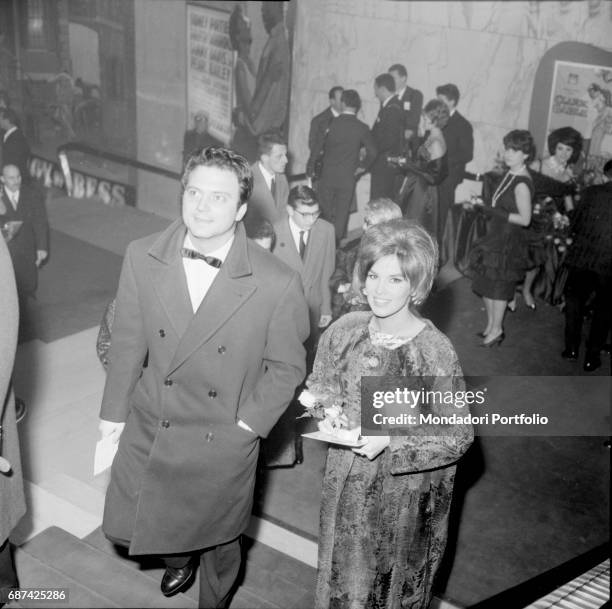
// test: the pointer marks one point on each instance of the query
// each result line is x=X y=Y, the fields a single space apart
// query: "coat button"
x=162 y=333
x=209 y=436
x=168 y=382
x=165 y=423
x=221 y=349
x=212 y=393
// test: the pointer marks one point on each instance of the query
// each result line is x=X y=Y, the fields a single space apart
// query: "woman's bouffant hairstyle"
x=223 y=158
x=414 y=247
x=568 y=136
x=437 y=112
x=521 y=139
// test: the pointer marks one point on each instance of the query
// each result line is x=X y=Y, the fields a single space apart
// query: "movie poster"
x=581 y=98
x=239 y=69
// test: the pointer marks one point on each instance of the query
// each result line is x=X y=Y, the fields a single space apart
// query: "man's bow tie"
x=187 y=253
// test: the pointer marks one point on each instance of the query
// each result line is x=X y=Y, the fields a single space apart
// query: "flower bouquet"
x=326 y=402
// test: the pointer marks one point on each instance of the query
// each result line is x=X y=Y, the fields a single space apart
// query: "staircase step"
x=99 y=571
x=272 y=579
x=37 y=573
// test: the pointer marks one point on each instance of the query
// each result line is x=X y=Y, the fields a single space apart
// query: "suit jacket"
x=316 y=136
x=184 y=473
x=12 y=500
x=16 y=151
x=592 y=231
x=33 y=235
x=388 y=136
x=262 y=203
x=412 y=105
x=347 y=135
x=317 y=267
x=459 y=137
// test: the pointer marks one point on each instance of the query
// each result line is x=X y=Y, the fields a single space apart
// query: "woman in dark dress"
x=420 y=188
x=499 y=260
x=385 y=505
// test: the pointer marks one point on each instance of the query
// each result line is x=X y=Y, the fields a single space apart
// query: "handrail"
x=117 y=158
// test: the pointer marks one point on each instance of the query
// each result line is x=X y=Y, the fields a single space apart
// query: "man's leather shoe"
x=177 y=580
x=592 y=362
x=570 y=354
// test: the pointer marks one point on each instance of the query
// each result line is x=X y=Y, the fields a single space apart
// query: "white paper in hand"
x=105 y=453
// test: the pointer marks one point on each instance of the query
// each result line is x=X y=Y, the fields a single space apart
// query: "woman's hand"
x=373 y=447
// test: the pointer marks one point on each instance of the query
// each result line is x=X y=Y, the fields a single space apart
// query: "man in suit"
x=222 y=322
x=306 y=243
x=589 y=260
x=318 y=128
x=15 y=147
x=411 y=101
x=387 y=132
x=341 y=163
x=459 y=138
x=29 y=246
x=270 y=185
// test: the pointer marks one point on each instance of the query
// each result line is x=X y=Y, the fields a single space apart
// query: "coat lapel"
x=285 y=241
x=168 y=277
x=232 y=287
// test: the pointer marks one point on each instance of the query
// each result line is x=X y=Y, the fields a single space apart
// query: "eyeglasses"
x=308 y=215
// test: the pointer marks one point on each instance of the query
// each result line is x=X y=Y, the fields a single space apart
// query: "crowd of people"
x=213 y=334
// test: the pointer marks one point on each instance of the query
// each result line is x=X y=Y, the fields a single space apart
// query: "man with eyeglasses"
x=306 y=243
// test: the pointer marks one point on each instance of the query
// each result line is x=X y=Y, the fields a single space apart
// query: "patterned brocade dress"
x=384 y=522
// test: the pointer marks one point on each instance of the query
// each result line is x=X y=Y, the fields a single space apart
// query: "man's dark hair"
x=223 y=158
x=266 y=142
x=386 y=81
x=10 y=115
x=607 y=169
x=400 y=69
x=302 y=194
x=450 y=91
x=350 y=98
x=333 y=90
x=259 y=228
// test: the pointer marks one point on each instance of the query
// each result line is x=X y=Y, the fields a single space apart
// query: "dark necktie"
x=187 y=253
x=302 y=244
x=273 y=188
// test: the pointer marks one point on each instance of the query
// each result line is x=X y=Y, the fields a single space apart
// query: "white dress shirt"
x=199 y=273
x=295 y=233
x=268 y=176
x=13 y=197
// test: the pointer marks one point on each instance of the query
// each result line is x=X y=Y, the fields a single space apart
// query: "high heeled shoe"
x=531 y=305
x=511 y=306
x=497 y=341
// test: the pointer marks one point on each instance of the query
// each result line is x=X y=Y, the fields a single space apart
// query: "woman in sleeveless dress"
x=420 y=188
x=385 y=505
x=498 y=261
x=565 y=147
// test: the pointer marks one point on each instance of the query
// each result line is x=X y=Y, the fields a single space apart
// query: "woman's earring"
x=363 y=291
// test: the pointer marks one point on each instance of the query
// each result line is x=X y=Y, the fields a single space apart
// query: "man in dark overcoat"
x=222 y=322
x=29 y=246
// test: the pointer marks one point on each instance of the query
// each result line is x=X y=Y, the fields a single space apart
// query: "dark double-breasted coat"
x=184 y=472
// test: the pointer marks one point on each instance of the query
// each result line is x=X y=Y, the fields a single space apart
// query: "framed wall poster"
x=581 y=97
x=210 y=69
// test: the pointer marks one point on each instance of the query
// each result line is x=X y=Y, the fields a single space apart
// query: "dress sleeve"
x=431 y=446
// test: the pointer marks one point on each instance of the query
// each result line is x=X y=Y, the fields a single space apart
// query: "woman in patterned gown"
x=385 y=505
x=499 y=260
